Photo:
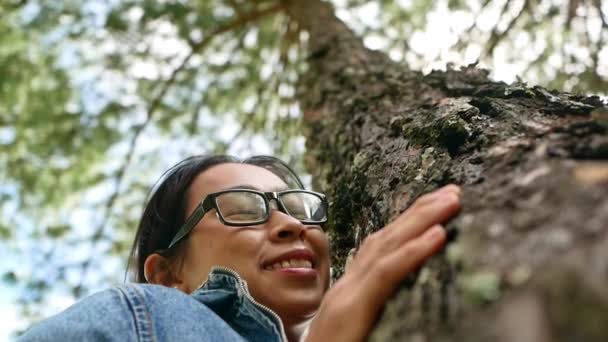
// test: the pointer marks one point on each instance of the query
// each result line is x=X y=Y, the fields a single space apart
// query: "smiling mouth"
x=291 y=263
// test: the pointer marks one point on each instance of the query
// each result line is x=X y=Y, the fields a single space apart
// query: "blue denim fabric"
x=221 y=310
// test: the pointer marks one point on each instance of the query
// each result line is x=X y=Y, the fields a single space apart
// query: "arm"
x=385 y=258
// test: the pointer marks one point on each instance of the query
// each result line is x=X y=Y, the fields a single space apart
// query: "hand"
x=385 y=258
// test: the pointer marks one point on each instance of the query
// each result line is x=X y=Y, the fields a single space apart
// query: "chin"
x=296 y=309
x=290 y=303
x=295 y=295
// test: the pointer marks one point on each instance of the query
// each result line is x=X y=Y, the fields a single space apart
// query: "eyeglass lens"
x=241 y=207
x=304 y=206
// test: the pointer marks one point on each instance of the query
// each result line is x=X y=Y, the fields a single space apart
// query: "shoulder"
x=97 y=316
x=130 y=312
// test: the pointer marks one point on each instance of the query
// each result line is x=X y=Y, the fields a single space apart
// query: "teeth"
x=293 y=263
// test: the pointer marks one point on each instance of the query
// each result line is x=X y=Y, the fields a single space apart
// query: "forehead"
x=228 y=175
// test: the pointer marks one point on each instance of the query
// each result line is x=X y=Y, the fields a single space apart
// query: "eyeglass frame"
x=209 y=203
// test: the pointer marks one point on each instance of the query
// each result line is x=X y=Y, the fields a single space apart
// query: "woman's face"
x=293 y=293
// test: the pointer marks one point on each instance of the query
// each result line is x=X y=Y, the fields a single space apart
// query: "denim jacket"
x=220 y=310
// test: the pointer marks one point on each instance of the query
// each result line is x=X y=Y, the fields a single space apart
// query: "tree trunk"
x=528 y=255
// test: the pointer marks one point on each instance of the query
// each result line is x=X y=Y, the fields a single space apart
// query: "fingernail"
x=435 y=232
x=440 y=194
x=453 y=188
x=449 y=197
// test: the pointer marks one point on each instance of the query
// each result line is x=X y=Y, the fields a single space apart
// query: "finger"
x=411 y=224
x=452 y=188
x=418 y=219
x=396 y=266
x=431 y=196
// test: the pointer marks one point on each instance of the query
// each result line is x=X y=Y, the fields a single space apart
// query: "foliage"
x=558 y=44
x=97 y=98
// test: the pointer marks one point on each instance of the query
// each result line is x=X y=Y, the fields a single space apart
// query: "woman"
x=239 y=250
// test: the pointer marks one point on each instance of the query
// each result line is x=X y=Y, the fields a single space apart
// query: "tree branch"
x=467 y=32
x=154 y=105
x=598 y=6
x=235 y=6
x=496 y=36
x=595 y=48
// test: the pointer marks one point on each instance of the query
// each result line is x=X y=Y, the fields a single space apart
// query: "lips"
x=296 y=258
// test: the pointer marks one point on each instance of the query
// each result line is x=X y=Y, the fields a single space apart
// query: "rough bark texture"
x=528 y=257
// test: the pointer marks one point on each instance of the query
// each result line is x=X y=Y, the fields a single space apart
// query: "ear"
x=158 y=270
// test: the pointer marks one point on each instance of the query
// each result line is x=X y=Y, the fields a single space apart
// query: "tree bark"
x=528 y=255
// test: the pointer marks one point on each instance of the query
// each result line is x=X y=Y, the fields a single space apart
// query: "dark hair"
x=165 y=211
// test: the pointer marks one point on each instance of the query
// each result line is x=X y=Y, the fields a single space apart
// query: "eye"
x=241 y=213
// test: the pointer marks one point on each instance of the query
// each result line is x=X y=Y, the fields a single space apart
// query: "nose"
x=283 y=227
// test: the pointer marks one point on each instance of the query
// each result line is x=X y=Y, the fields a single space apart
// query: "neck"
x=295 y=330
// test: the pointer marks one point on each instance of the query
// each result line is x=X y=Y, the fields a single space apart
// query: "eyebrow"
x=251 y=187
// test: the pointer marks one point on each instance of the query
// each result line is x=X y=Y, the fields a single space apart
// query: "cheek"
x=237 y=249
x=322 y=243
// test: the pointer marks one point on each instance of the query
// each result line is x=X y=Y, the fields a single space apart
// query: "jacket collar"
x=227 y=294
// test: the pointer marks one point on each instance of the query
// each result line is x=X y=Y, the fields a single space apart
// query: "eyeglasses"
x=245 y=207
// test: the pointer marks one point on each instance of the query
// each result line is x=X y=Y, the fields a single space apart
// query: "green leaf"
x=58 y=231
x=10 y=278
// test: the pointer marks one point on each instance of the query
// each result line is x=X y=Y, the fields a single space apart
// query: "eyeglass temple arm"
x=196 y=216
